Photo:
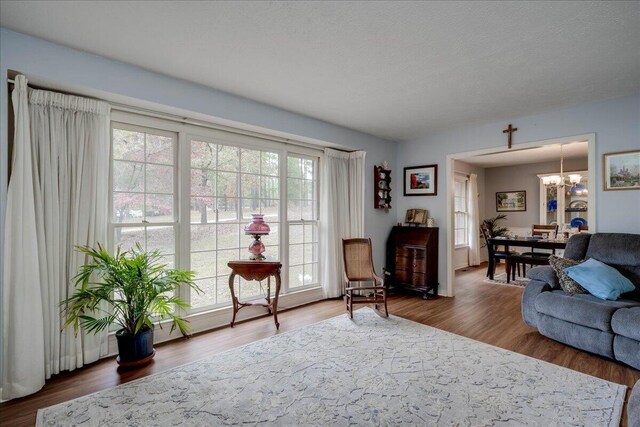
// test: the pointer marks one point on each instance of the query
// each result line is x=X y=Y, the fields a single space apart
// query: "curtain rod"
x=186 y=120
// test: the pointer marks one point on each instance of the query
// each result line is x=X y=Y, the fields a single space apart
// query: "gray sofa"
x=607 y=328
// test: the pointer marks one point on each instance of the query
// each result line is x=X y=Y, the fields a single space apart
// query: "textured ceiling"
x=394 y=69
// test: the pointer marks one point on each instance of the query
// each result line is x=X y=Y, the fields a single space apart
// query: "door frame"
x=590 y=138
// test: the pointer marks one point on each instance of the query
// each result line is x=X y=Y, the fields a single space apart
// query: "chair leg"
x=386 y=312
x=508 y=268
x=351 y=308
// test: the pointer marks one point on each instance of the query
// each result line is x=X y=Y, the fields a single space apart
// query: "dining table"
x=525 y=242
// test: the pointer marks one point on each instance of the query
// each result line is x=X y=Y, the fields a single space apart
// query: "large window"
x=191 y=196
x=143 y=182
x=461 y=211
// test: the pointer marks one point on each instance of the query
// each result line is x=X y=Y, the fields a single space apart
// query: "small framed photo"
x=622 y=170
x=421 y=180
x=511 y=201
x=416 y=216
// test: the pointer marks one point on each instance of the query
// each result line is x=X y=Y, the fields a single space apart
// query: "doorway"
x=512 y=168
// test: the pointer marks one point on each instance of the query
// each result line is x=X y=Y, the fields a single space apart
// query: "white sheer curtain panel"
x=474 y=220
x=342 y=211
x=69 y=146
x=23 y=328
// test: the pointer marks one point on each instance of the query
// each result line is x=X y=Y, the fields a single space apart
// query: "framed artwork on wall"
x=416 y=216
x=421 y=180
x=511 y=201
x=622 y=170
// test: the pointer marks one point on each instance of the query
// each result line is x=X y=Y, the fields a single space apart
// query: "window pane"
x=295 y=233
x=227 y=184
x=270 y=164
x=307 y=168
x=202 y=182
x=127 y=237
x=250 y=160
x=460 y=237
x=128 y=207
x=159 y=208
x=310 y=252
x=270 y=209
x=203 y=210
x=204 y=264
x=228 y=236
x=128 y=176
x=272 y=253
x=252 y=289
x=270 y=188
x=294 y=188
x=273 y=238
x=250 y=185
x=128 y=145
x=203 y=155
x=294 y=210
x=228 y=159
x=307 y=190
x=249 y=206
x=310 y=274
x=159 y=149
x=308 y=210
x=203 y=237
x=294 y=167
x=208 y=294
x=310 y=233
x=296 y=254
x=224 y=257
x=223 y=294
x=227 y=209
x=162 y=239
x=296 y=275
x=159 y=179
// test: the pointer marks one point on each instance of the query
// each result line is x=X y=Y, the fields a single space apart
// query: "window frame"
x=465 y=180
x=185 y=132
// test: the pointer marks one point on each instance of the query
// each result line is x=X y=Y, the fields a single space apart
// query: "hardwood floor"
x=487 y=313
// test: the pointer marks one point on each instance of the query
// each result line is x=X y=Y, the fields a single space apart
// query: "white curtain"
x=60 y=172
x=342 y=211
x=474 y=220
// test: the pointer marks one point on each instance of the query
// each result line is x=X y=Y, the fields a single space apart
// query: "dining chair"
x=358 y=267
x=532 y=258
x=493 y=254
x=541 y=229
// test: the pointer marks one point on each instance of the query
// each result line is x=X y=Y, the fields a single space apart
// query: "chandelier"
x=559 y=180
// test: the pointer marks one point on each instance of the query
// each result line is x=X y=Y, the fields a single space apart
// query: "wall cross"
x=510 y=130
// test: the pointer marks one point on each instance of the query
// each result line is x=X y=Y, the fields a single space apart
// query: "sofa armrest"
x=633 y=406
x=529 y=313
x=545 y=274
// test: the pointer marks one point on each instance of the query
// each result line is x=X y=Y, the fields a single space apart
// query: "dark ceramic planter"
x=135 y=348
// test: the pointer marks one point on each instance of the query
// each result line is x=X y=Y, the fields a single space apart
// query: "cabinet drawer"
x=411 y=252
x=411 y=278
x=418 y=265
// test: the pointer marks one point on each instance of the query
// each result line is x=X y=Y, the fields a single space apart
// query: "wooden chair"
x=493 y=254
x=531 y=258
x=358 y=267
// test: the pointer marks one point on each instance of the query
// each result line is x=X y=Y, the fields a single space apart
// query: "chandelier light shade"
x=575 y=178
x=558 y=181
x=257 y=228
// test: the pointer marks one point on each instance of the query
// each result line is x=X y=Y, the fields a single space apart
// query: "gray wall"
x=523 y=177
x=615 y=123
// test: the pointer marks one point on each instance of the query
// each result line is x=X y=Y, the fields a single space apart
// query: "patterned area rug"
x=501 y=279
x=369 y=371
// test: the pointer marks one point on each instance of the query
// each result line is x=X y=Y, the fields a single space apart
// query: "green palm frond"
x=134 y=286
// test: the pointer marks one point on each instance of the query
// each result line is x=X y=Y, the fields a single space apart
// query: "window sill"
x=464 y=246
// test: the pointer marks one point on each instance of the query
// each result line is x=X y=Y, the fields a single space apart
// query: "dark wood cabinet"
x=412 y=259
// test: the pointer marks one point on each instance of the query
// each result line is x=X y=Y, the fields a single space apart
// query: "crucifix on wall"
x=510 y=130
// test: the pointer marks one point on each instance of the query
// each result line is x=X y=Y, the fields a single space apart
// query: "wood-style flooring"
x=484 y=312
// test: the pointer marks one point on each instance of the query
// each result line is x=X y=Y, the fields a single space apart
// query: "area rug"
x=501 y=279
x=366 y=371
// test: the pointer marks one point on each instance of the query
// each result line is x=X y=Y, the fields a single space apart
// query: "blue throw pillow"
x=602 y=281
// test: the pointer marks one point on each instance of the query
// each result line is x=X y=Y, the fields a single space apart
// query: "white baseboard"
x=201 y=322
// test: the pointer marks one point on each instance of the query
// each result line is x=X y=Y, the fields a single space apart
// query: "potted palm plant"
x=128 y=289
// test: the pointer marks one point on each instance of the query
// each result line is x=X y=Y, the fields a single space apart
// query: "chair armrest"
x=529 y=313
x=545 y=274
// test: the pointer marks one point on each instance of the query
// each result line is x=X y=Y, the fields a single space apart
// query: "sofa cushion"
x=577 y=246
x=626 y=322
x=582 y=337
x=619 y=250
x=581 y=309
x=568 y=285
x=601 y=280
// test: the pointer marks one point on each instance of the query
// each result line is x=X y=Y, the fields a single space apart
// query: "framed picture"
x=622 y=170
x=416 y=216
x=421 y=180
x=511 y=201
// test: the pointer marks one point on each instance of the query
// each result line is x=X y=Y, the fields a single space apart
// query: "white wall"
x=616 y=123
